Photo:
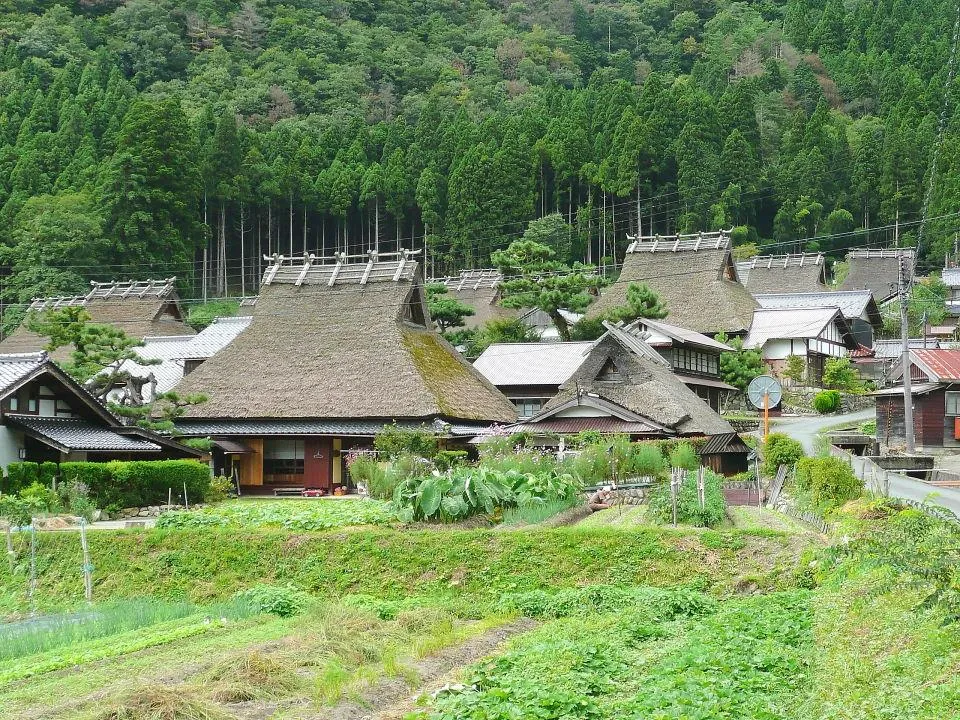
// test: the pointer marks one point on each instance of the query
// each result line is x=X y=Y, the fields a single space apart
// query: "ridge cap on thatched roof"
x=878 y=253
x=476 y=279
x=112 y=290
x=340 y=269
x=719 y=240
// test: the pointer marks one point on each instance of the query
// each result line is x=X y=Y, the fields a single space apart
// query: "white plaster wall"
x=10 y=443
x=582 y=411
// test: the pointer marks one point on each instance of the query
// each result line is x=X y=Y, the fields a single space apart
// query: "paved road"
x=806 y=429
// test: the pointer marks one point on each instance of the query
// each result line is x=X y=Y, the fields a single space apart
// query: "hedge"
x=137 y=483
x=23 y=474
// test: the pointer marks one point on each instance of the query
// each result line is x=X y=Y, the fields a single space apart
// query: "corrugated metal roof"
x=942 y=365
x=951 y=277
x=201 y=427
x=915 y=389
x=79 y=434
x=14 y=368
x=796 y=323
x=532 y=363
x=892 y=349
x=852 y=303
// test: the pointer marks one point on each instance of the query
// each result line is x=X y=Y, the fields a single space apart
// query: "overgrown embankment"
x=211 y=564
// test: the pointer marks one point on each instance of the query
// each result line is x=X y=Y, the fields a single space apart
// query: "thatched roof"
x=480 y=290
x=877 y=271
x=636 y=385
x=696 y=277
x=343 y=340
x=804 y=272
x=138 y=308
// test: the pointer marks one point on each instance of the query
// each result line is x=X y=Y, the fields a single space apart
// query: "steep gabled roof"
x=480 y=290
x=636 y=388
x=803 y=272
x=138 y=308
x=939 y=365
x=877 y=271
x=647 y=327
x=693 y=274
x=345 y=339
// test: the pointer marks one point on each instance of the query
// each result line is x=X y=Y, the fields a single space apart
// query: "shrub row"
x=21 y=475
x=118 y=484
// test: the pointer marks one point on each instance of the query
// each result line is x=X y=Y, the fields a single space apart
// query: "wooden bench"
x=288 y=492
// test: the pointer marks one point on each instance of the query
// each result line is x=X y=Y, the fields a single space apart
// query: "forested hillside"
x=135 y=134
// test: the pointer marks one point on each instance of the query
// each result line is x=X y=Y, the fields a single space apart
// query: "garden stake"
x=10 y=553
x=169 y=497
x=186 y=503
x=32 y=588
x=87 y=567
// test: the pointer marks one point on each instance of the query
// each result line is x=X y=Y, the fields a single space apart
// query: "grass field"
x=612 y=618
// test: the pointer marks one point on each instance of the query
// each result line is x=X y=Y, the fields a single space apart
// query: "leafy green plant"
x=221 y=489
x=287 y=514
x=840 y=374
x=829 y=480
x=75 y=498
x=19 y=476
x=795 y=368
x=139 y=482
x=273 y=600
x=780 y=449
x=684 y=456
x=42 y=496
x=739 y=366
x=448 y=459
x=826 y=401
x=19 y=511
x=393 y=441
x=689 y=510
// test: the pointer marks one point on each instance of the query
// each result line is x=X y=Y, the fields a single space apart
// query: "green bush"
x=19 y=511
x=840 y=374
x=648 y=460
x=221 y=488
x=19 y=476
x=42 y=496
x=684 y=456
x=447 y=459
x=826 y=401
x=393 y=441
x=780 y=449
x=273 y=600
x=139 y=482
x=689 y=511
x=48 y=473
x=829 y=480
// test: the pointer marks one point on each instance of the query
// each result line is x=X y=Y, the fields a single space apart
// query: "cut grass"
x=253 y=676
x=534 y=513
x=156 y=702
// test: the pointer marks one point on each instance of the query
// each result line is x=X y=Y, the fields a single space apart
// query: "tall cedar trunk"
x=304 y=229
x=290 y=198
x=590 y=226
x=570 y=204
x=243 y=259
x=269 y=227
x=376 y=225
x=221 y=271
x=613 y=238
x=206 y=246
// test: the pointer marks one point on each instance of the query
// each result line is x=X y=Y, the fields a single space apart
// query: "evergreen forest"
x=149 y=138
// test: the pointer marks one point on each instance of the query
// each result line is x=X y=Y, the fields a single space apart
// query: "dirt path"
x=391 y=699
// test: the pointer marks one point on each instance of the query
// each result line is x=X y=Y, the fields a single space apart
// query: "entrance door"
x=317 y=463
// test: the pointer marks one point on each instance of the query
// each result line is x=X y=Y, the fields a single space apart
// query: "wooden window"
x=283 y=456
x=528 y=407
x=13 y=403
x=952 y=403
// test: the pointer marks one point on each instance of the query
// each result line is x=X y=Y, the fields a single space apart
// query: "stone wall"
x=149 y=511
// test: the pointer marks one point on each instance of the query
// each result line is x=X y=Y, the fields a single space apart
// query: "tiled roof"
x=941 y=365
x=852 y=303
x=531 y=363
x=77 y=434
x=202 y=427
x=14 y=367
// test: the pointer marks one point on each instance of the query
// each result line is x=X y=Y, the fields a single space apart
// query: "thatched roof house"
x=878 y=271
x=335 y=350
x=138 y=308
x=480 y=290
x=626 y=387
x=696 y=277
x=804 y=272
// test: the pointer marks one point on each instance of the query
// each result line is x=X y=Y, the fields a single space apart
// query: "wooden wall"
x=251 y=464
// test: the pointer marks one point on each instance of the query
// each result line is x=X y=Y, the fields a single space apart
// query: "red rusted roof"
x=862 y=352
x=940 y=365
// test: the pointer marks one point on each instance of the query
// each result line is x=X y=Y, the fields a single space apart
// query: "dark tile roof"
x=69 y=434
x=200 y=427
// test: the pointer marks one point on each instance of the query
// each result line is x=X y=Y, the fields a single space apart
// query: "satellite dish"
x=764 y=385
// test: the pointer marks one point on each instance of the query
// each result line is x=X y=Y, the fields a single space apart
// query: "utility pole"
x=905 y=358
